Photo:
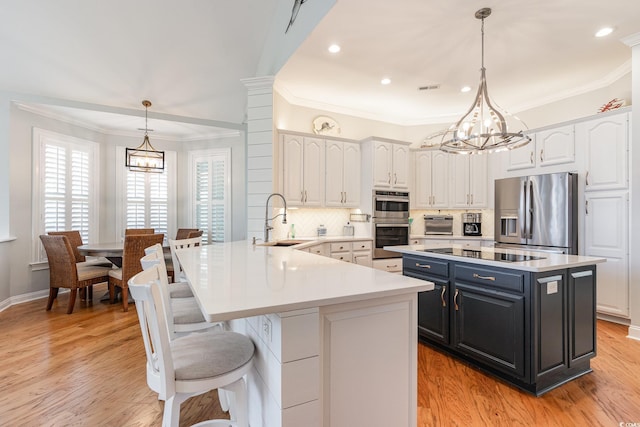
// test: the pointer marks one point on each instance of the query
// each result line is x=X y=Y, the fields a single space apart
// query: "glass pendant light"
x=145 y=158
x=484 y=128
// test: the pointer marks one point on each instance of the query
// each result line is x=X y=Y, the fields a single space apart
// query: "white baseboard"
x=634 y=332
x=19 y=299
x=614 y=319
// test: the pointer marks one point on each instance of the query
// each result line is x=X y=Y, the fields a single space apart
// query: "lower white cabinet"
x=356 y=251
x=606 y=235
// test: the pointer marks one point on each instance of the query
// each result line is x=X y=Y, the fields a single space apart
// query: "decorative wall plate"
x=323 y=125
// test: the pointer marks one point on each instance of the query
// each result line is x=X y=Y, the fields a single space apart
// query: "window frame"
x=170 y=161
x=195 y=155
x=40 y=137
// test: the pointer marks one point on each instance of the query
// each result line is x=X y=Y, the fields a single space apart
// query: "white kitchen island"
x=336 y=343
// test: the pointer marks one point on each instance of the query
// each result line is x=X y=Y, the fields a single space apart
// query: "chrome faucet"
x=267 y=227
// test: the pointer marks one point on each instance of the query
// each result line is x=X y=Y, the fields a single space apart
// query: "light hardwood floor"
x=87 y=369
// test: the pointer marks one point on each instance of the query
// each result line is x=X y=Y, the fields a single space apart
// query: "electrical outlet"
x=266 y=329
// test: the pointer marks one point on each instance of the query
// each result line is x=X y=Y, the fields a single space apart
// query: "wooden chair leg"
x=90 y=292
x=72 y=300
x=53 y=293
x=83 y=294
x=112 y=291
x=125 y=298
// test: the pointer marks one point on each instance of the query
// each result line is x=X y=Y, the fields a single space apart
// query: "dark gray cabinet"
x=535 y=330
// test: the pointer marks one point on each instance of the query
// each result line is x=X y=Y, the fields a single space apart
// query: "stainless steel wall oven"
x=390 y=221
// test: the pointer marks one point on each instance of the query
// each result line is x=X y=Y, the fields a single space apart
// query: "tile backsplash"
x=307 y=220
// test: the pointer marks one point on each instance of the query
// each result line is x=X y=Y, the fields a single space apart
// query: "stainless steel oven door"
x=391 y=207
x=389 y=234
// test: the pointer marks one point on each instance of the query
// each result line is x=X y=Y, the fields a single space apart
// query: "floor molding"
x=634 y=332
x=19 y=299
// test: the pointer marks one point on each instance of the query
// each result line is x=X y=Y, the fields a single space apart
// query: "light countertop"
x=449 y=237
x=549 y=261
x=237 y=279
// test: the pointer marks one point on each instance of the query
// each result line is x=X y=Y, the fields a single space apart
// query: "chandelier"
x=484 y=128
x=145 y=158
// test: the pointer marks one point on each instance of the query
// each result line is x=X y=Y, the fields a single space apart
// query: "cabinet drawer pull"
x=422 y=265
x=586 y=207
x=541 y=155
x=477 y=276
x=395 y=178
x=472 y=199
x=531 y=157
x=305 y=196
x=586 y=179
x=389 y=180
x=302 y=197
x=455 y=300
x=444 y=289
x=392 y=266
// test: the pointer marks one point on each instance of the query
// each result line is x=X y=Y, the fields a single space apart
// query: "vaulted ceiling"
x=102 y=58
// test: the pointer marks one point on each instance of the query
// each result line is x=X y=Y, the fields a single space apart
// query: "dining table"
x=110 y=250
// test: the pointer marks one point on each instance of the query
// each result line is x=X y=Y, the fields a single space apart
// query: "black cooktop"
x=490 y=256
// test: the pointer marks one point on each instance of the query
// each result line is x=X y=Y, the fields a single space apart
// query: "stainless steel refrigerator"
x=537 y=212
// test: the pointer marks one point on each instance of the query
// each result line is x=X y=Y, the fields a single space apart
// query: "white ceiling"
x=188 y=57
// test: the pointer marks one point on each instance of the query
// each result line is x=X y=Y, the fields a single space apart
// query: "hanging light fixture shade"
x=145 y=158
x=484 y=128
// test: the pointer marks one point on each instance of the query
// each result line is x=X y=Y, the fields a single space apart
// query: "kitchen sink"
x=289 y=242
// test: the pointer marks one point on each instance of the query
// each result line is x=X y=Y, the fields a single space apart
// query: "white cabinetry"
x=431 y=180
x=468 y=176
x=605 y=143
x=303 y=170
x=392 y=265
x=385 y=164
x=342 y=178
x=548 y=147
x=606 y=231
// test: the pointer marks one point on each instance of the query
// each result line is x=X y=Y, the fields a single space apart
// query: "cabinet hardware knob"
x=586 y=178
x=477 y=276
x=444 y=289
x=422 y=265
x=455 y=300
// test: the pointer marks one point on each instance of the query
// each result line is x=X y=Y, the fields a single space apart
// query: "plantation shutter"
x=65 y=191
x=211 y=199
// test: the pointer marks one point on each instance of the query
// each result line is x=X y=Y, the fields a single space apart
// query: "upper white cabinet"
x=468 y=178
x=431 y=180
x=303 y=170
x=547 y=148
x=388 y=162
x=342 y=177
x=605 y=142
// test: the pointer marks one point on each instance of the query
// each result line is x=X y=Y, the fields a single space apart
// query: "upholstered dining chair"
x=75 y=239
x=64 y=272
x=183 y=233
x=133 y=250
x=193 y=364
x=130 y=231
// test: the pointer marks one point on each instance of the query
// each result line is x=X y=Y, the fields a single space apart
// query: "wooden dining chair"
x=183 y=233
x=64 y=272
x=130 y=231
x=193 y=364
x=134 y=245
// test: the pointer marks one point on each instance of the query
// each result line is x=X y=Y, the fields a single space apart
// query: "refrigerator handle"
x=531 y=211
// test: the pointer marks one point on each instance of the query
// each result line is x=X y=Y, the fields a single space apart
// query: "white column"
x=633 y=41
x=260 y=151
x=5 y=107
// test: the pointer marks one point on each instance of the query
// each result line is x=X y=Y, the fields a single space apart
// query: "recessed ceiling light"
x=385 y=81
x=465 y=89
x=602 y=32
x=334 y=48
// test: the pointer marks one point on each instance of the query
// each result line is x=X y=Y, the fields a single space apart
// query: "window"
x=146 y=200
x=210 y=172
x=65 y=191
